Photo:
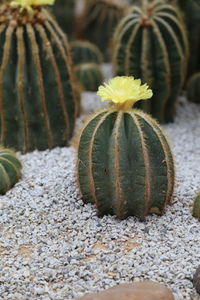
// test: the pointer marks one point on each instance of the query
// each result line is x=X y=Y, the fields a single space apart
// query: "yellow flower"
x=124 y=91
x=26 y=4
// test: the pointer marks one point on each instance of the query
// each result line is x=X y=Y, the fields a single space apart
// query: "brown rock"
x=147 y=290
x=196 y=280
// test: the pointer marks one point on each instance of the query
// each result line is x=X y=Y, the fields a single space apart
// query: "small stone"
x=196 y=280
x=148 y=290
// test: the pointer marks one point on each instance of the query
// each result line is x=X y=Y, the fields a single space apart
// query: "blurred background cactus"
x=125 y=165
x=193 y=88
x=37 y=100
x=99 y=20
x=196 y=207
x=64 y=11
x=151 y=43
x=10 y=169
x=191 y=12
x=87 y=59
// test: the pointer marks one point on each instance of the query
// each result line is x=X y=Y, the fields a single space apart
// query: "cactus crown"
x=28 y=4
x=124 y=91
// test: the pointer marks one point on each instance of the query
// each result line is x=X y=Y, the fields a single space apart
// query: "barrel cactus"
x=196 y=207
x=191 y=11
x=151 y=43
x=89 y=76
x=10 y=169
x=84 y=52
x=193 y=88
x=99 y=20
x=125 y=165
x=37 y=102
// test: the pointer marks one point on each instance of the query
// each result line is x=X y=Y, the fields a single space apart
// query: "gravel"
x=52 y=246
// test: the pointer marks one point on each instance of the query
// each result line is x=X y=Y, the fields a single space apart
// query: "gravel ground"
x=54 y=247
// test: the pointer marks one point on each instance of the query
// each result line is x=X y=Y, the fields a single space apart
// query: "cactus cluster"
x=151 y=43
x=87 y=59
x=37 y=100
x=125 y=165
x=10 y=169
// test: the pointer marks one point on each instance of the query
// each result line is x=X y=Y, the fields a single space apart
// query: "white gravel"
x=54 y=247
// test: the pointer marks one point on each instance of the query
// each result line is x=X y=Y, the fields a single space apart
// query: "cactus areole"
x=37 y=102
x=125 y=165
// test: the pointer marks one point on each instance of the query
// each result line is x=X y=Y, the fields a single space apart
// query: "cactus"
x=99 y=20
x=89 y=76
x=64 y=13
x=191 y=10
x=84 y=52
x=10 y=169
x=151 y=43
x=193 y=88
x=196 y=207
x=125 y=165
x=196 y=280
x=37 y=102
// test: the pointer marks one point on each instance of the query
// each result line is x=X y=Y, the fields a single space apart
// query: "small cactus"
x=99 y=20
x=10 y=169
x=89 y=76
x=151 y=43
x=38 y=106
x=196 y=207
x=125 y=165
x=84 y=52
x=87 y=59
x=193 y=88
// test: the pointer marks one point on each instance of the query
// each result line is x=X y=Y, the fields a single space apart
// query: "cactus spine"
x=10 y=169
x=151 y=44
x=196 y=207
x=37 y=102
x=193 y=88
x=125 y=165
x=100 y=18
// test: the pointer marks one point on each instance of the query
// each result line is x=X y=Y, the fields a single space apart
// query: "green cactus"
x=84 y=52
x=196 y=207
x=191 y=10
x=64 y=13
x=10 y=169
x=37 y=100
x=193 y=88
x=99 y=20
x=151 y=43
x=125 y=165
x=89 y=76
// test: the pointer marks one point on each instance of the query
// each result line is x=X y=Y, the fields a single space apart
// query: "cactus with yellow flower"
x=125 y=165
x=151 y=43
x=37 y=100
